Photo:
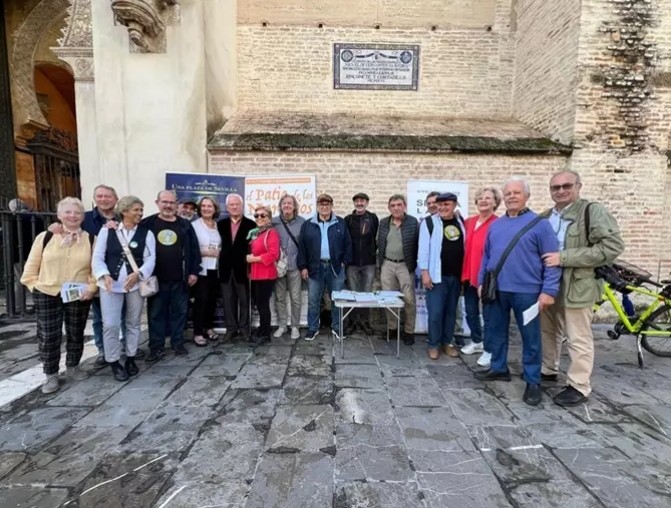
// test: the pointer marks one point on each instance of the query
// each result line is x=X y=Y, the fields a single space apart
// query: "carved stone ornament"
x=76 y=46
x=146 y=21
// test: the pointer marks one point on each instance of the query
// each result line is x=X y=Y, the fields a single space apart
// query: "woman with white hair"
x=56 y=259
x=119 y=281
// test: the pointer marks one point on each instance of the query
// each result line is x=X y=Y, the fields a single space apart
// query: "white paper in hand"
x=529 y=314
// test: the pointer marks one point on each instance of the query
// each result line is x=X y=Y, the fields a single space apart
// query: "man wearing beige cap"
x=324 y=249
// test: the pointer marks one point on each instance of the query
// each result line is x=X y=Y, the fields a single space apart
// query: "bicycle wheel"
x=660 y=320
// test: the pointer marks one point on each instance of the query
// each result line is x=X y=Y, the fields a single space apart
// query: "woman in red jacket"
x=265 y=251
x=487 y=200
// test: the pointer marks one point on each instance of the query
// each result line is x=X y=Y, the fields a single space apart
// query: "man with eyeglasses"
x=324 y=249
x=177 y=266
x=588 y=237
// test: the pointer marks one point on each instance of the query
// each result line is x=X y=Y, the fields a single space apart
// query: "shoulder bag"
x=489 y=284
x=148 y=286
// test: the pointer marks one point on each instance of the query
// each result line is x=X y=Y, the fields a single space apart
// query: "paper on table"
x=347 y=296
x=365 y=297
x=529 y=314
x=388 y=294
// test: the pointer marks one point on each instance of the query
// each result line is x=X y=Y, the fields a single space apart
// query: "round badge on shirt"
x=167 y=237
x=452 y=233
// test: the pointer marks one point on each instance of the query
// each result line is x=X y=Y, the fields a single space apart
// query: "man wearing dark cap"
x=324 y=250
x=362 y=226
x=441 y=255
x=186 y=209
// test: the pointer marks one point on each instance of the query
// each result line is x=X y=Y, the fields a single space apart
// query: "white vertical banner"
x=417 y=191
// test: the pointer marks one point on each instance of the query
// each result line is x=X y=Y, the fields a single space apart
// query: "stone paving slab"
x=290 y=424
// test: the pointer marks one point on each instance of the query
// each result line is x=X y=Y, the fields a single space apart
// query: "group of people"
x=540 y=267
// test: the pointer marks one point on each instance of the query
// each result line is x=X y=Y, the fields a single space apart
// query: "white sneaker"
x=473 y=347
x=485 y=359
x=50 y=384
x=336 y=336
x=280 y=331
x=295 y=333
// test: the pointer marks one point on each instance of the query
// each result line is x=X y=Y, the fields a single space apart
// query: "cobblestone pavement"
x=293 y=425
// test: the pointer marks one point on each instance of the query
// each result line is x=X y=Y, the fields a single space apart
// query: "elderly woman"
x=487 y=200
x=206 y=289
x=119 y=282
x=57 y=259
x=264 y=249
x=288 y=226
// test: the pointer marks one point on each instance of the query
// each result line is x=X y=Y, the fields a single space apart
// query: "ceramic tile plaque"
x=375 y=66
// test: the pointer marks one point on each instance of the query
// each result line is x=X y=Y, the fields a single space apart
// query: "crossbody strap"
x=587 y=225
x=289 y=231
x=127 y=252
x=513 y=242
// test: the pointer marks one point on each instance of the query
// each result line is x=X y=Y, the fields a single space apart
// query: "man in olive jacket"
x=584 y=244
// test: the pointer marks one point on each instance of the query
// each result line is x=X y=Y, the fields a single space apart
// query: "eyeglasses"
x=324 y=203
x=260 y=216
x=564 y=186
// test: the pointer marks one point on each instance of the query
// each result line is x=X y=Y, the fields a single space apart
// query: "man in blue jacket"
x=524 y=283
x=324 y=249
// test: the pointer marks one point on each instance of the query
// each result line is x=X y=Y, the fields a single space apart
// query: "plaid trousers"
x=51 y=314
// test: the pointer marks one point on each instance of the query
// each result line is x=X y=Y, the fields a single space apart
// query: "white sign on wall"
x=375 y=66
x=417 y=191
x=268 y=189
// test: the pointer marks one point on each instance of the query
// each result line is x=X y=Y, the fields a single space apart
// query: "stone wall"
x=383 y=174
x=466 y=60
x=633 y=180
x=545 y=81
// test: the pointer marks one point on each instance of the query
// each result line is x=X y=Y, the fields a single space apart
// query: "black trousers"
x=236 y=304
x=262 y=290
x=205 y=302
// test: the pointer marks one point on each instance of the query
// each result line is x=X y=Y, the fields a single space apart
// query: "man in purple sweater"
x=523 y=282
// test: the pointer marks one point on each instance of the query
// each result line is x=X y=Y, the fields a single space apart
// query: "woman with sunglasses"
x=264 y=252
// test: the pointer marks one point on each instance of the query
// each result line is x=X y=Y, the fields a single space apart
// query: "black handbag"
x=489 y=284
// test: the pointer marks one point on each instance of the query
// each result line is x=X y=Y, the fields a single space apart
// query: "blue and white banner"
x=198 y=185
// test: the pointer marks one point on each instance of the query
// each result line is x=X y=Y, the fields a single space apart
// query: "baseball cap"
x=324 y=197
x=360 y=195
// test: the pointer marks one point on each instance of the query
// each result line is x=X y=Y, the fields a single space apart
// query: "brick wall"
x=545 y=77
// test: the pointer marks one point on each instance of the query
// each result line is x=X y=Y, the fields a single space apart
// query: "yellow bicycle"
x=652 y=326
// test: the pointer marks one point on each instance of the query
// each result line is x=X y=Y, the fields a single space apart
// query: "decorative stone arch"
x=26 y=38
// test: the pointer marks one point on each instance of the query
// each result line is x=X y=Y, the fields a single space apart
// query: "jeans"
x=497 y=334
x=328 y=280
x=167 y=311
x=441 y=304
x=360 y=278
x=121 y=309
x=472 y=302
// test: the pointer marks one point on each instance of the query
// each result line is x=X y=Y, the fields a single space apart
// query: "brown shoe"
x=433 y=353
x=451 y=351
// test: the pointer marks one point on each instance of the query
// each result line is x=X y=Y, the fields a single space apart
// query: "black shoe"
x=230 y=335
x=130 y=366
x=100 y=361
x=491 y=375
x=139 y=354
x=544 y=377
x=367 y=329
x=154 y=356
x=408 y=338
x=262 y=339
x=118 y=371
x=533 y=394
x=243 y=334
x=180 y=350
x=350 y=328
x=569 y=397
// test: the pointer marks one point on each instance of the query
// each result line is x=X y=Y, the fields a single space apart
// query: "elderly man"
x=105 y=198
x=233 y=267
x=363 y=226
x=585 y=242
x=397 y=257
x=440 y=259
x=177 y=266
x=514 y=250
x=186 y=209
x=324 y=249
